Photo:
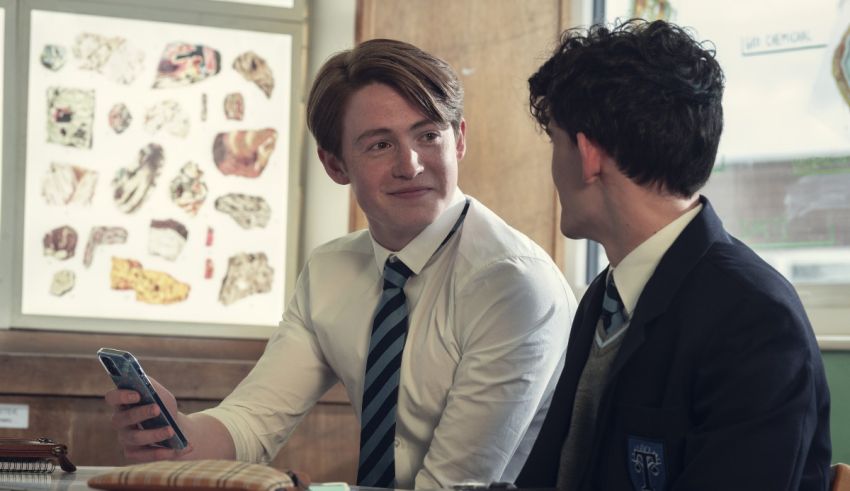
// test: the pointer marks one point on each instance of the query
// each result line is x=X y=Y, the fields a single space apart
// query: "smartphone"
x=127 y=373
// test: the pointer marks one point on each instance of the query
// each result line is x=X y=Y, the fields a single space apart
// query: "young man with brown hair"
x=453 y=371
x=691 y=363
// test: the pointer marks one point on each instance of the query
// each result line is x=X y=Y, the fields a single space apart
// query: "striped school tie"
x=380 y=389
x=380 y=395
x=612 y=315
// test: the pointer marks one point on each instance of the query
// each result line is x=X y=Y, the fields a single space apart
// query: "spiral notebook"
x=39 y=456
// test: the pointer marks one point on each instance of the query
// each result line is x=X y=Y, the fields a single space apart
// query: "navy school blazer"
x=719 y=382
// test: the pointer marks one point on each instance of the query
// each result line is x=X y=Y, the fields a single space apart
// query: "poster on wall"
x=156 y=171
x=786 y=96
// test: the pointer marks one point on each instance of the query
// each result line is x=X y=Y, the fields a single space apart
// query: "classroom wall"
x=331 y=29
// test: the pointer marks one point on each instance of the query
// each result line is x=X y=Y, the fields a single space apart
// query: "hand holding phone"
x=127 y=373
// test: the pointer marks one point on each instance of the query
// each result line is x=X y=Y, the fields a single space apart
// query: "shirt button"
x=397 y=442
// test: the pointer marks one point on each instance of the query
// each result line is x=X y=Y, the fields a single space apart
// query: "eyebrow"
x=383 y=131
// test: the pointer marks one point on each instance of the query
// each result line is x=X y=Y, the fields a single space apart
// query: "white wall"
x=326 y=205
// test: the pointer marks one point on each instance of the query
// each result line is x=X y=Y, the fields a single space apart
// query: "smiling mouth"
x=410 y=193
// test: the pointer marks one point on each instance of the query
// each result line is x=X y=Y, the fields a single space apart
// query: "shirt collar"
x=419 y=250
x=638 y=266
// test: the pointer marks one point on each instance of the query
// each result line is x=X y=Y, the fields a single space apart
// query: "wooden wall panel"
x=494 y=45
x=58 y=376
x=321 y=445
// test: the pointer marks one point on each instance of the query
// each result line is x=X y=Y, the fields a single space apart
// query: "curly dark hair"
x=648 y=93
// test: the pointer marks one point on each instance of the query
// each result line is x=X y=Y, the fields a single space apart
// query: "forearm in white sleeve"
x=286 y=382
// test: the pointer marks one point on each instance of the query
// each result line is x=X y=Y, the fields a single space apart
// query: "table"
x=76 y=481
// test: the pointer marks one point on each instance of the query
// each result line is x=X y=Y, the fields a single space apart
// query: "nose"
x=407 y=165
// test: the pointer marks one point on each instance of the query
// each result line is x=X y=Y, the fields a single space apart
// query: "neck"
x=392 y=242
x=636 y=215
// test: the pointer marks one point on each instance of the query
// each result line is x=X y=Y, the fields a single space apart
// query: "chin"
x=422 y=220
x=572 y=231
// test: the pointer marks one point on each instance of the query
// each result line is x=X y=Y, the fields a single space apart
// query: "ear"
x=460 y=145
x=591 y=158
x=334 y=167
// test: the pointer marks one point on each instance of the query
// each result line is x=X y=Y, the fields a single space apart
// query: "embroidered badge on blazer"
x=646 y=464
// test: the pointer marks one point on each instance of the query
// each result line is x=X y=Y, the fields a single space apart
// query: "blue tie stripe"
x=394 y=277
x=383 y=468
x=377 y=352
x=392 y=320
x=392 y=352
x=380 y=389
x=380 y=428
x=609 y=304
x=382 y=303
x=612 y=314
x=378 y=383
x=380 y=412
x=376 y=405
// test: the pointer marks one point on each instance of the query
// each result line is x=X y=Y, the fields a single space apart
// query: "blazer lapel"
x=691 y=245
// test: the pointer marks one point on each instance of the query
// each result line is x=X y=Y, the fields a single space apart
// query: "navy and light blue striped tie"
x=380 y=391
x=612 y=308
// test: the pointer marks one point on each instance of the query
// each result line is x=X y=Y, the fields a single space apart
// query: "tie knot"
x=396 y=273
x=613 y=295
x=613 y=314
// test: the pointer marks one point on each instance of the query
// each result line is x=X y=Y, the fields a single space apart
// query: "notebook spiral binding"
x=38 y=456
x=28 y=465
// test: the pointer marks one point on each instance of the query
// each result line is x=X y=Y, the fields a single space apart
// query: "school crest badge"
x=646 y=464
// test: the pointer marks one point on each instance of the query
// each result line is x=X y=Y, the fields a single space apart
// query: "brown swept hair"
x=424 y=80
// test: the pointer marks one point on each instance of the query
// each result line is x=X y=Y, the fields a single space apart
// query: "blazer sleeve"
x=756 y=392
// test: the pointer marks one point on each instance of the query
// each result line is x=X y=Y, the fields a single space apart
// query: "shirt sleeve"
x=512 y=322
x=286 y=382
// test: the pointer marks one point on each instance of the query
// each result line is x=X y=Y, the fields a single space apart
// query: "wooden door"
x=494 y=45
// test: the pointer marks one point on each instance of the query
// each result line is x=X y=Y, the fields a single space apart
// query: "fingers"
x=164 y=394
x=121 y=397
x=131 y=437
x=139 y=444
x=124 y=417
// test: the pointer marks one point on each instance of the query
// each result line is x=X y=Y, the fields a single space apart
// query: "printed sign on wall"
x=784 y=98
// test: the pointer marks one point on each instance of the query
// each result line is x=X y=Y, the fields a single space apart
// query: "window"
x=781 y=182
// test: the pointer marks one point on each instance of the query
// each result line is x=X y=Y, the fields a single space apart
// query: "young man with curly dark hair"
x=691 y=363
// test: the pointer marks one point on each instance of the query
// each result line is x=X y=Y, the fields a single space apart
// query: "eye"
x=430 y=136
x=381 y=145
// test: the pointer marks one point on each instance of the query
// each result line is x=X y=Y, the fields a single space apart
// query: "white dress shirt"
x=490 y=315
x=637 y=267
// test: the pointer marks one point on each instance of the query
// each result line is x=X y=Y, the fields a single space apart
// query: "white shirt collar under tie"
x=416 y=254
